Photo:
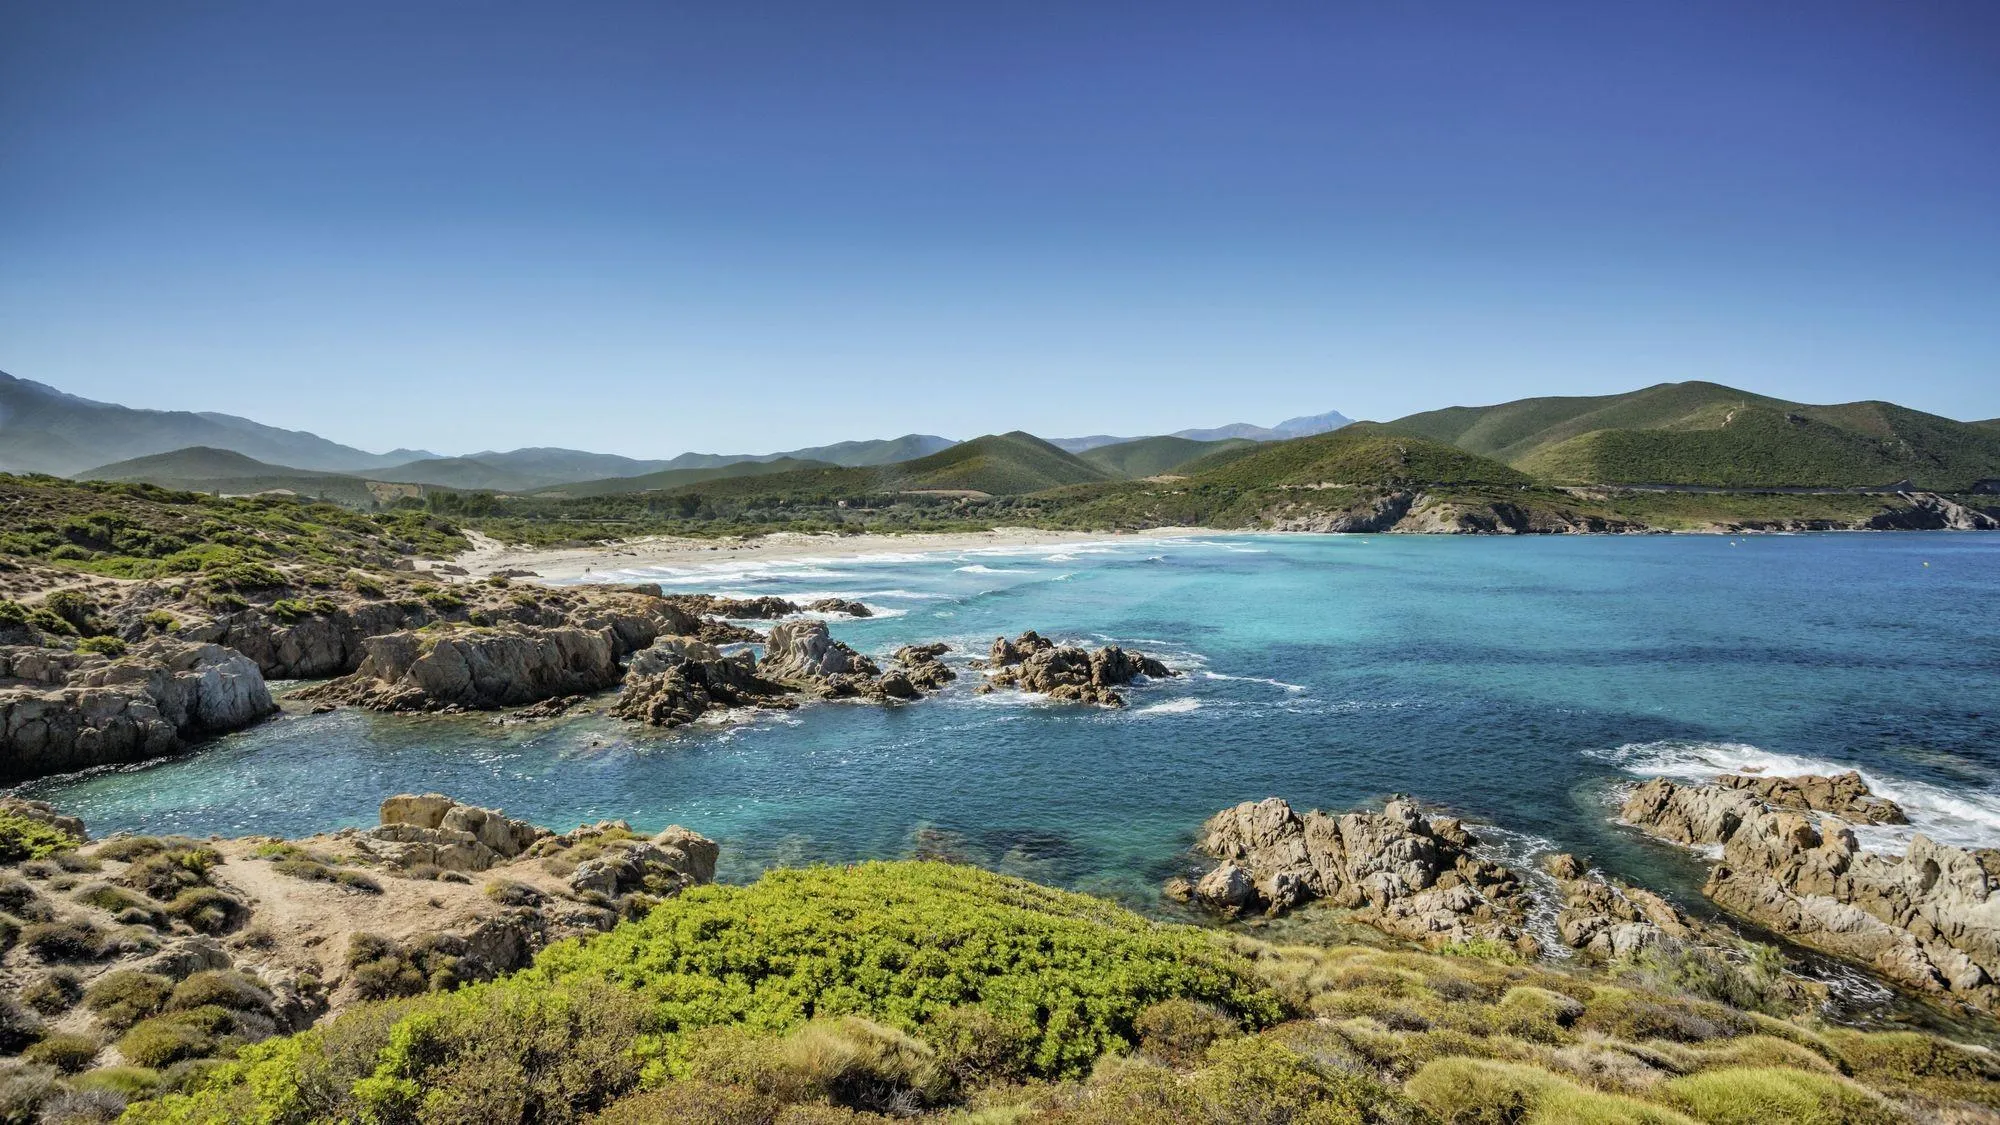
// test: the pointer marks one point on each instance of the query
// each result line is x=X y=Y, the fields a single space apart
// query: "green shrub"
x=24 y=837
x=166 y=873
x=64 y=941
x=114 y=900
x=1255 y=1080
x=160 y=621
x=1462 y=1091
x=312 y=870
x=233 y=991
x=104 y=646
x=66 y=1052
x=975 y=1045
x=1776 y=1096
x=167 y=1039
x=1908 y=1057
x=208 y=910
x=125 y=996
x=128 y=1081
x=695 y=1103
x=125 y=849
x=20 y=898
x=54 y=992
x=73 y=606
x=1179 y=1031
x=508 y=892
x=1623 y=1014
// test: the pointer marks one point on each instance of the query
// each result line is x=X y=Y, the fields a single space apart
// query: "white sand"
x=488 y=556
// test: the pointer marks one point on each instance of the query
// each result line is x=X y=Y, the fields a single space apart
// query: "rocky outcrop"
x=1845 y=795
x=1400 y=871
x=740 y=609
x=433 y=830
x=679 y=679
x=840 y=605
x=1410 y=512
x=1928 y=919
x=1609 y=919
x=621 y=863
x=73 y=712
x=1034 y=663
x=920 y=666
x=477 y=669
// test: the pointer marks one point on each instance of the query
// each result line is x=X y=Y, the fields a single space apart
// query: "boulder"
x=1844 y=794
x=679 y=679
x=431 y=828
x=841 y=605
x=804 y=651
x=668 y=864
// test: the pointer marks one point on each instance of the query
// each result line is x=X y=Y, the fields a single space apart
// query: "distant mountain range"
x=1289 y=428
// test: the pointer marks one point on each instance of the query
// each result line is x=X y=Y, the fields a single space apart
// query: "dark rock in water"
x=679 y=679
x=549 y=708
x=1034 y=663
x=841 y=605
x=804 y=654
x=709 y=605
x=920 y=665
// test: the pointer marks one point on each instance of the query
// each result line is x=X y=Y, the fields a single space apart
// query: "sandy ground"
x=489 y=556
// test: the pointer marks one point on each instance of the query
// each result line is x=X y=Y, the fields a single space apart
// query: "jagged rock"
x=1034 y=663
x=1929 y=919
x=679 y=679
x=552 y=708
x=1844 y=794
x=841 y=605
x=666 y=865
x=1609 y=919
x=804 y=651
x=150 y=702
x=1401 y=872
x=754 y=609
x=921 y=666
x=477 y=670
x=433 y=829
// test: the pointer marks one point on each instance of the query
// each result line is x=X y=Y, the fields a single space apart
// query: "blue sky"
x=647 y=228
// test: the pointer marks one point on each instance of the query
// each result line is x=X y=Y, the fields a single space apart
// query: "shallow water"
x=1518 y=681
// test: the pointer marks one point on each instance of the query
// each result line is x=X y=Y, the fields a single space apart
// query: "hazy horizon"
x=646 y=231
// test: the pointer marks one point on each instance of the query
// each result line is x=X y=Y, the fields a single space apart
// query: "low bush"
x=126 y=996
x=19 y=1025
x=174 y=1037
x=103 y=646
x=1776 y=1096
x=54 y=992
x=507 y=892
x=66 y=1052
x=125 y=1081
x=115 y=900
x=208 y=910
x=1254 y=1080
x=1463 y=1091
x=64 y=941
x=166 y=872
x=233 y=991
x=705 y=1103
x=299 y=867
x=1179 y=1031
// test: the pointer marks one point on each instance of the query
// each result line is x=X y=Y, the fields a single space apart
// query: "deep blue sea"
x=1516 y=681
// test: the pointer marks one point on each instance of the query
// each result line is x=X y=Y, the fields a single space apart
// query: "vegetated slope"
x=142 y=530
x=837 y=994
x=848 y=454
x=1147 y=457
x=676 y=478
x=44 y=430
x=1758 y=447
x=998 y=464
x=1704 y=433
x=225 y=472
x=466 y=473
x=542 y=466
x=1362 y=455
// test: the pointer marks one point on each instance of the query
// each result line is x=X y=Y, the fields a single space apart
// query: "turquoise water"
x=1517 y=681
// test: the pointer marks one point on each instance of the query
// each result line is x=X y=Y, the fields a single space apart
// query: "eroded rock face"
x=1034 y=663
x=1929 y=919
x=79 y=711
x=477 y=670
x=1608 y=919
x=679 y=679
x=1402 y=872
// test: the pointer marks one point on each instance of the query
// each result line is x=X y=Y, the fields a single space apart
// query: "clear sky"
x=651 y=227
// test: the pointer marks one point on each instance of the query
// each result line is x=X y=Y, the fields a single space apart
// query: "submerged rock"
x=1928 y=919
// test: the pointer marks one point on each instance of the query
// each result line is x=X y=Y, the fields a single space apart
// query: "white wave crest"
x=1170 y=707
x=1966 y=816
x=1207 y=675
x=976 y=568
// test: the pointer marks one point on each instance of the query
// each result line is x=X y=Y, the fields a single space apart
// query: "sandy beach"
x=489 y=556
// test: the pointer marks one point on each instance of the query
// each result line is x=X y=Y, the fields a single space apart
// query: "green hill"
x=1704 y=433
x=677 y=478
x=228 y=473
x=1145 y=457
x=1363 y=455
x=1008 y=464
x=466 y=473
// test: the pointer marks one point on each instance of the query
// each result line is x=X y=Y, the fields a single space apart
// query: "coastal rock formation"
x=69 y=711
x=920 y=666
x=1845 y=795
x=840 y=605
x=679 y=679
x=433 y=829
x=621 y=863
x=1928 y=919
x=1608 y=919
x=1402 y=872
x=764 y=608
x=1034 y=663
x=1406 y=512
x=476 y=669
